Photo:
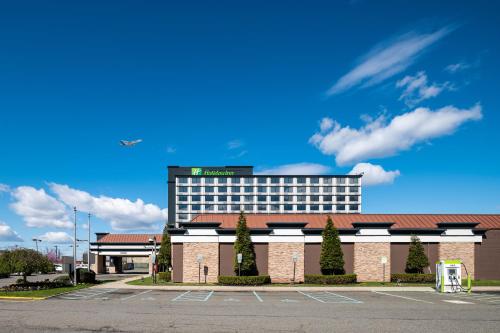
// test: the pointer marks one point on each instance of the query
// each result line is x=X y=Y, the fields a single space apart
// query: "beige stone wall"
x=280 y=264
x=210 y=253
x=462 y=251
x=367 y=261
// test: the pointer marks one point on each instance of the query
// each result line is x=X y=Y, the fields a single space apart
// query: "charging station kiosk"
x=449 y=276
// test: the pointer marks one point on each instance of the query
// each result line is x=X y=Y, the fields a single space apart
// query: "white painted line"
x=179 y=296
x=104 y=292
x=456 y=301
x=258 y=297
x=208 y=296
x=351 y=299
x=132 y=296
x=310 y=296
x=404 y=297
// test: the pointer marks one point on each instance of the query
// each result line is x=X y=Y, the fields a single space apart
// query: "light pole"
x=36 y=240
x=199 y=259
x=239 y=258
x=295 y=258
x=153 y=258
x=74 y=249
x=88 y=250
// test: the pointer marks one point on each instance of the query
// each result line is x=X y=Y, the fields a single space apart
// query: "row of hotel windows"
x=271 y=180
x=264 y=189
x=271 y=198
x=264 y=208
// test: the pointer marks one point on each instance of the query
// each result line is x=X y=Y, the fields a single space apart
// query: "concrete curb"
x=23 y=298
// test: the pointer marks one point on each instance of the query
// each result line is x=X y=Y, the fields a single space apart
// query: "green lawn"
x=43 y=293
x=482 y=283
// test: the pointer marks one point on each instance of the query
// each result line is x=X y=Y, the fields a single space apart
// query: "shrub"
x=243 y=244
x=83 y=276
x=165 y=255
x=164 y=276
x=63 y=279
x=244 y=280
x=39 y=285
x=330 y=279
x=417 y=260
x=332 y=258
x=413 y=278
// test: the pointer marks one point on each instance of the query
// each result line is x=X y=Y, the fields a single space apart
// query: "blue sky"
x=405 y=92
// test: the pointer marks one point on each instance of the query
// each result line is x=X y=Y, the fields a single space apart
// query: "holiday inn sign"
x=202 y=172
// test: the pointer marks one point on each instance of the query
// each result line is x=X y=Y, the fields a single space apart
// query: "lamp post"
x=88 y=250
x=239 y=258
x=36 y=240
x=74 y=248
x=153 y=258
x=199 y=259
x=295 y=258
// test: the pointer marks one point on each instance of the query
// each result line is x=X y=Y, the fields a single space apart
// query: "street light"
x=88 y=250
x=199 y=259
x=295 y=258
x=36 y=240
x=153 y=258
x=74 y=249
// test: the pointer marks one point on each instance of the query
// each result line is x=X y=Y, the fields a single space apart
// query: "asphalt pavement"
x=148 y=310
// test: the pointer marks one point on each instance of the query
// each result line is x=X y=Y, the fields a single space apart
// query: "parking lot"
x=132 y=310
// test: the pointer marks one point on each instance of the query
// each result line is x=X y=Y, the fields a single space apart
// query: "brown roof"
x=128 y=238
x=417 y=221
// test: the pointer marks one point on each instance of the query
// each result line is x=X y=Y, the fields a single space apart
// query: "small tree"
x=332 y=258
x=417 y=260
x=27 y=262
x=5 y=266
x=243 y=245
x=165 y=254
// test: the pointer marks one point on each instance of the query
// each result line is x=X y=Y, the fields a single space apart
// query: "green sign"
x=196 y=171
x=201 y=172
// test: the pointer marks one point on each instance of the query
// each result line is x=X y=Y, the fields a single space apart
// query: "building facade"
x=199 y=190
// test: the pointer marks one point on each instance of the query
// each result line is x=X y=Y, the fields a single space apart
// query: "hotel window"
x=222 y=180
x=314 y=208
x=222 y=189
x=275 y=198
x=195 y=207
x=248 y=198
x=353 y=190
x=353 y=181
x=275 y=208
x=340 y=207
x=209 y=189
x=301 y=198
x=275 y=189
x=340 y=189
x=248 y=181
x=209 y=198
x=248 y=189
x=222 y=198
x=301 y=207
x=235 y=198
x=196 y=189
x=301 y=189
x=275 y=180
x=261 y=198
x=341 y=180
x=314 y=189
x=209 y=208
x=288 y=180
x=236 y=180
x=183 y=207
x=222 y=208
x=327 y=198
x=353 y=198
x=353 y=207
x=209 y=180
x=183 y=198
x=340 y=198
x=262 y=208
x=183 y=180
x=182 y=216
x=288 y=189
x=288 y=208
x=235 y=189
x=314 y=180
x=314 y=198
x=182 y=189
x=262 y=180
x=288 y=198
x=327 y=181
x=235 y=208
x=248 y=208
x=196 y=198
x=196 y=180
x=301 y=180
x=327 y=208
x=262 y=189
x=327 y=189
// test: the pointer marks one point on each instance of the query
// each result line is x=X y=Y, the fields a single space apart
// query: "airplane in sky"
x=130 y=143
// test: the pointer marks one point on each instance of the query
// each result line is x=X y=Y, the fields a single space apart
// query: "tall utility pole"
x=36 y=240
x=88 y=250
x=57 y=253
x=74 y=249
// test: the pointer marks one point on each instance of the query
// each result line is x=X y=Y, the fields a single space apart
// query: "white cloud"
x=458 y=67
x=59 y=237
x=38 y=209
x=387 y=59
x=234 y=144
x=296 y=169
x=4 y=188
x=325 y=124
x=381 y=138
x=374 y=174
x=7 y=234
x=122 y=214
x=417 y=88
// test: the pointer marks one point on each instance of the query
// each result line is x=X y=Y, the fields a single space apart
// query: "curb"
x=25 y=298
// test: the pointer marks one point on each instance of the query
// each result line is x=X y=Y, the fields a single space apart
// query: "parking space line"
x=329 y=297
x=181 y=295
x=104 y=292
x=403 y=297
x=132 y=296
x=310 y=296
x=208 y=296
x=351 y=299
x=257 y=296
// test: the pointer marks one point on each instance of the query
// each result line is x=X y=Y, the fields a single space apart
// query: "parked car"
x=82 y=266
x=58 y=268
